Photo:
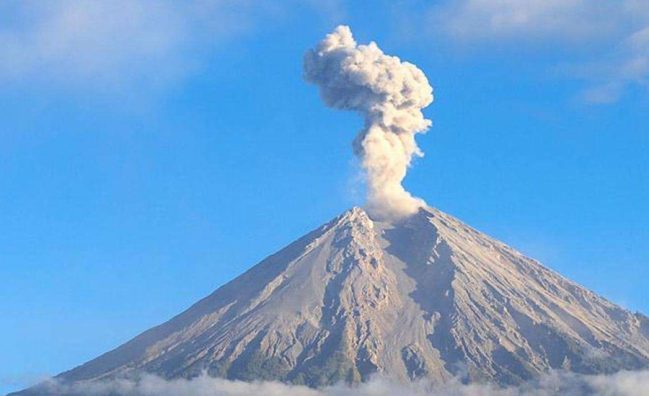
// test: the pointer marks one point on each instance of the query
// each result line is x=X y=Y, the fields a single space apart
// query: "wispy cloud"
x=628 y=66
x=102 y=43
x=553 y=384
x=573 y=20
x=615 y=31
x=120 y=44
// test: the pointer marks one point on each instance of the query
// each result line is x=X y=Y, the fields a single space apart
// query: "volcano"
x=423 y=297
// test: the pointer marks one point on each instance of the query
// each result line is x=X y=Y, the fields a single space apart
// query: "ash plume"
x=389 y=94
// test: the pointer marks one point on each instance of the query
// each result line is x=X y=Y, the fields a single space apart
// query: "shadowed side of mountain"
x=502 y=317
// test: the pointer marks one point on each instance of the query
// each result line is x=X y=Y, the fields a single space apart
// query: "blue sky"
x=151 y=151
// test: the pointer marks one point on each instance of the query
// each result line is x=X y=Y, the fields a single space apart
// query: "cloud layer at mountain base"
x=626 y=383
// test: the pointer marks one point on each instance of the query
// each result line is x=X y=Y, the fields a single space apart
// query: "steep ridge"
x=427 y=297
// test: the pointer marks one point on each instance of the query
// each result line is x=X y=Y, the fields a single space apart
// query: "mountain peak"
x=423 y=297
x=355 y=215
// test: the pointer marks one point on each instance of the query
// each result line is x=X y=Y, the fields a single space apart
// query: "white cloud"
x=569 y=20
x=616 y=31
x=628 y=65
x=120 y=44
x=112 y=42
x=553 y=384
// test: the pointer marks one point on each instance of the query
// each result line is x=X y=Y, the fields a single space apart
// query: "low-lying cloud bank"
x=626 y=383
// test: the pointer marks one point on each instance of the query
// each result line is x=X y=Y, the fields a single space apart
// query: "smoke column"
x=389 y=94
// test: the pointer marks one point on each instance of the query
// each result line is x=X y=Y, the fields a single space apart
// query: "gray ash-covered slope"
x=424 y=297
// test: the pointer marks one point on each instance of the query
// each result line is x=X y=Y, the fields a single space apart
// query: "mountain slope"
x=424 y=297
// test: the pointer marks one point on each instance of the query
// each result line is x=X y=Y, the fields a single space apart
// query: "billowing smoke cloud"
x=559 y=383
x=389 y=94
